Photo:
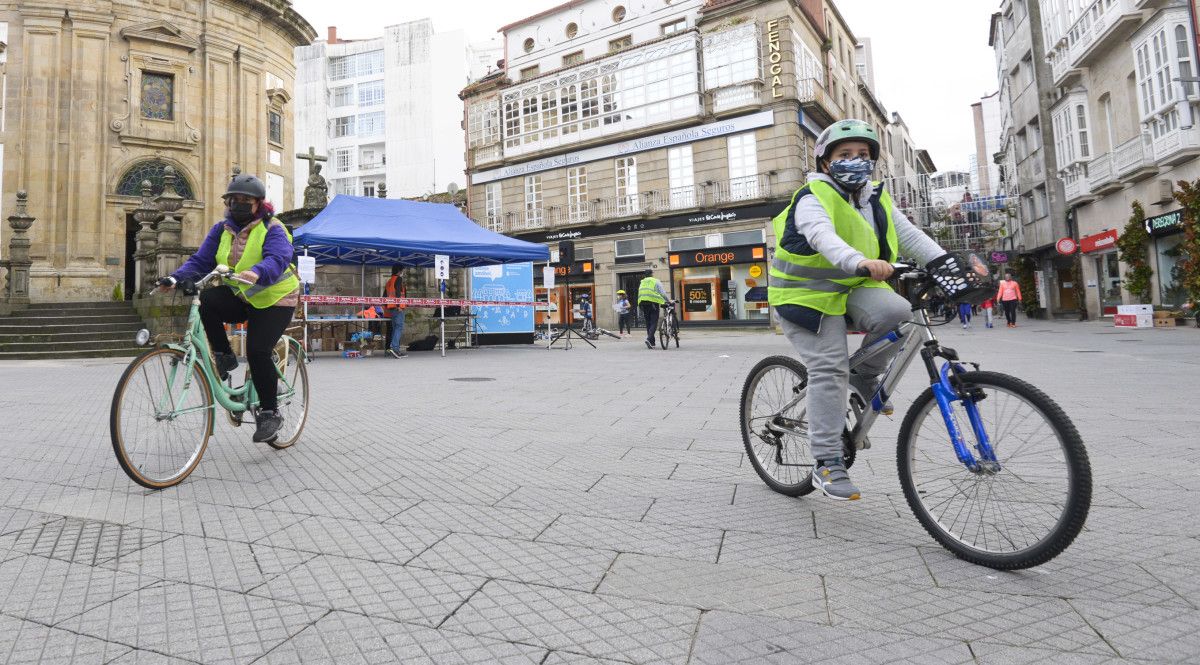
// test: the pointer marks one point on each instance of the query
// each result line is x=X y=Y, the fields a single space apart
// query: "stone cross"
x=312 y=158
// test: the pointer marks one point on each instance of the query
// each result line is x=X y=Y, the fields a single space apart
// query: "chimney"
x=332 y=39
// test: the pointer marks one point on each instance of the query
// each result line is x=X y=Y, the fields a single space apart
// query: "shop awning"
x=359 y=230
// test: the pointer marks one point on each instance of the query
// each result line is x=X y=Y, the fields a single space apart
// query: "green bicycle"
x=164 y=404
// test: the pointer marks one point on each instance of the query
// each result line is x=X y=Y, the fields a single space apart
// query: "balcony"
x=1061 y=69
x=1102 y=178
x=1102 y=23
x=1176 y=146
x=1075 y=185
x=371 y=166
x=487 y=154
x=1133 y=160
x=812 y=97
x=734 y=97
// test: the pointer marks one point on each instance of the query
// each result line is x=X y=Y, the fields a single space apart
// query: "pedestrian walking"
x=651 y=296
x=395 y=289
x=624 y=313
x=1009 y=295
x=838 y=223
x=964 y=314
x=987 y=311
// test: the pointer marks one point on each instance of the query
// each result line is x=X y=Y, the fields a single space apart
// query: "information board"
x=512 y=282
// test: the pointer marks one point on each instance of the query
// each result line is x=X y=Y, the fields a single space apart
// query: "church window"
x=158 y=96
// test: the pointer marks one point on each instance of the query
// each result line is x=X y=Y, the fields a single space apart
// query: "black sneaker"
x=269 y=423
x=397 y=354
x=226 y=363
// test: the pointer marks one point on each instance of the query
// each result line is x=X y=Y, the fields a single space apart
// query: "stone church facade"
x=99 y=95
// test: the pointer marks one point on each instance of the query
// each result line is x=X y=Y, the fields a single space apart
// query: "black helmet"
x=246 y=184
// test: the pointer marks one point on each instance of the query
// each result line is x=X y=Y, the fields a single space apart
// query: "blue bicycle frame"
x=916 y=338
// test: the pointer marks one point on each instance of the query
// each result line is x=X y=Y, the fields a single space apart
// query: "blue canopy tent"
x=358 y=230
x=364 y=231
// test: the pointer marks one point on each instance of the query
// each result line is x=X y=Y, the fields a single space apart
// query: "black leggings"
x=650 y=314
x=623 y=323
x=264 y=327
x=1010 y=310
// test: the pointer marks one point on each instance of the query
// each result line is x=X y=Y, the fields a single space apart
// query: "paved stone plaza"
x=585 y=507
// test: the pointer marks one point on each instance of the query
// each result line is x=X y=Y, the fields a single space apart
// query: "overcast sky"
x=932 y=60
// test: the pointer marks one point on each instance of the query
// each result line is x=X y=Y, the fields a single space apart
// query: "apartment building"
x=911 y=171
x=385 y=110
x=985 y=172
x=1025 y=78
x=1126 y=127
x=661 y=136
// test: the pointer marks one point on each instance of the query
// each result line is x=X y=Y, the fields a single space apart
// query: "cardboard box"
x=1133 y=321
x=1137 y=310
x=1164 y=323
x=1163 y=314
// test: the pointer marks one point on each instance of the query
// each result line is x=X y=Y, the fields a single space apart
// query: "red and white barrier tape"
x=411 y=302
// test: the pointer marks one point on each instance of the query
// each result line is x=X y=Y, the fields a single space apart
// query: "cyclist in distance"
x=839 y=222
x=258 y=247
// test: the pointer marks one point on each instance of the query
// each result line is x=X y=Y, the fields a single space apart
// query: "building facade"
x=985 y=174
x=100 y=95
x=385 y=110
x=660 y=136
x=1126 y=125
x=1027 y=141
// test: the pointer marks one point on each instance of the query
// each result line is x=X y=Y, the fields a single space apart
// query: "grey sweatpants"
x=825 y=354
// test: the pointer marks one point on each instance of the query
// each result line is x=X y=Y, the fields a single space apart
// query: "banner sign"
x=717 y=256
x=411 y=302
x=699 y=297
x=1098 y=242
x=999 y=257
x=673 y=221
x=508 y=283
x=1165 y=224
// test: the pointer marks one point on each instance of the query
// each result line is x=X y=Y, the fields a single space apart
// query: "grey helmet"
x=847 y=130
x=246 y=184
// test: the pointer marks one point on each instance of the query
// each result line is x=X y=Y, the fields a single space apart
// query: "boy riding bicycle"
x=838 y=224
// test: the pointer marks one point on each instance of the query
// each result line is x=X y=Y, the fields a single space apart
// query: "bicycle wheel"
x=664 y=335
x=159 y=426
x=776 y=435
x=292 y=391
x=675 y=331
x=1021 y=515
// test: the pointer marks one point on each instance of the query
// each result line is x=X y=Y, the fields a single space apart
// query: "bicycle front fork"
x=946 y=395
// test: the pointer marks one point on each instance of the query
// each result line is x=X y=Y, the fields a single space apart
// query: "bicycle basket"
x=962 y=277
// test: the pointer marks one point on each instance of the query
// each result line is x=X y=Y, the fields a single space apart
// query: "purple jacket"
x=277 y=252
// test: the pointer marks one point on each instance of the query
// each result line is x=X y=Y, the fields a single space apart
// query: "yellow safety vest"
x=648 y=293
x=800 y=275
x=259 y=295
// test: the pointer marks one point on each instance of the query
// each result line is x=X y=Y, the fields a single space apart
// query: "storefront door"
x=629 y=282
x=1108 y=282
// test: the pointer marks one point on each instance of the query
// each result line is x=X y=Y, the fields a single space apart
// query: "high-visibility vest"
x=800 y=275
x=647 y=292
x=260 y=296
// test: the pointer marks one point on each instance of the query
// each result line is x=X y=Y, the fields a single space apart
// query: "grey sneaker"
x=867 y=386
x=269 y=422
x=831 y=478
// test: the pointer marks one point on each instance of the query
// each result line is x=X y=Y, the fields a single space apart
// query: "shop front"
x=579 y=277
x=1166 y=235
x=721 y=285
x=1101 y=250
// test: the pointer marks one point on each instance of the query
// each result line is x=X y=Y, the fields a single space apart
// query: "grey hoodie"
x=816 y=226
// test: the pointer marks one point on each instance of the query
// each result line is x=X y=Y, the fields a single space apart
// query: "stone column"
x=147 y=216
x=16 y=292
x=170 y=228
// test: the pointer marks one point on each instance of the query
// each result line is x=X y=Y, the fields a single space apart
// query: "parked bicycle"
x=668 y=325
x=991 y=466
x=164 y=404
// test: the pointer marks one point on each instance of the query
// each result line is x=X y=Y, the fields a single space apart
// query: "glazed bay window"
x=680 y=178
x=743 y=167
x=731 y=56
x=493 y=219
x=371 y=124
x=370 y=94
x=343 y=96
x=636 y=88
x=483 y=123
x=343 y=160
x=343 y=126
x=1162 y=52
x=627 y=186
x=577 y=206
x=356 y=65
x=533 y=202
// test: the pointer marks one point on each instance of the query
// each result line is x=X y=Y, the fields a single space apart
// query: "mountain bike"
x=668 y=326
x=164 y=404
x=991 y=466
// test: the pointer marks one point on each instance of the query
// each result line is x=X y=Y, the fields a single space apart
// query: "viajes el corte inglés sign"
x=677 y=137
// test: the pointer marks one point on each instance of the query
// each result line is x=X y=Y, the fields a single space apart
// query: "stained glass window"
x=276 y=127
x=158 y=96
x=152 y=170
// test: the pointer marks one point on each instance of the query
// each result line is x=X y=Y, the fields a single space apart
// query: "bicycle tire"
x=117 y=430
x=1078 y=491
x=663 y=335
x=295 y=359
x=675 y=331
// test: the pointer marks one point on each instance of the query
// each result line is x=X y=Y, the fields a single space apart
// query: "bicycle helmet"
x=247 y=185
x=620 y=292
x=847 y=130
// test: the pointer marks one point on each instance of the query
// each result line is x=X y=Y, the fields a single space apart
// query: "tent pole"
x=442 y=288
x=304 y=290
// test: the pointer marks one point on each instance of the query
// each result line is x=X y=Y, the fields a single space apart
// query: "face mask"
x=241 y=212
x=851 y=173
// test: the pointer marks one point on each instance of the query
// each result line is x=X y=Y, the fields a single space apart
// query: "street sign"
x=441 y=266
x=306 y=266
x=999 y=257
x=1065 y=246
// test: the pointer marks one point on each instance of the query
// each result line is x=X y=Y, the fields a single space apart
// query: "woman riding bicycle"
x=837 y=224
x=259 y=249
